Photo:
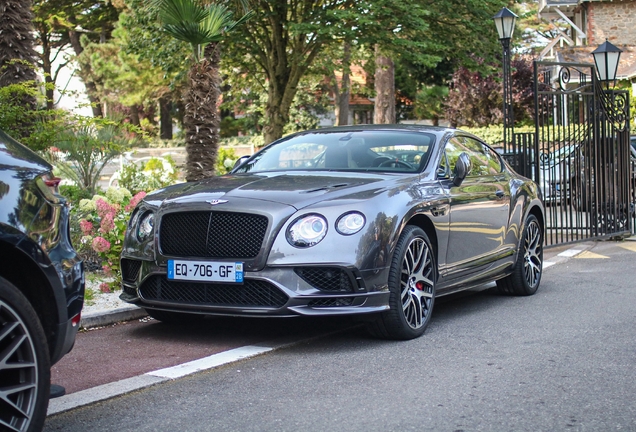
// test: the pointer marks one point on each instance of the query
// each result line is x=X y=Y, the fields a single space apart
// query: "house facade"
x=588 y=24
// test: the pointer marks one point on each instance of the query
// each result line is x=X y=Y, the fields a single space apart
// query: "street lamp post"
x=505 y=23
x=606 y=58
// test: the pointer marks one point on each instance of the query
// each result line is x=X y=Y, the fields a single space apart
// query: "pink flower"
x=86 y=227
x=135 y=200
x=107 y=223
x=103 y=208
x=103 y=287
x=100 y=244
x=107 y=270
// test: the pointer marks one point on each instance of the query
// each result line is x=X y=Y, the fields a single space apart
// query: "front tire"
x=528 y=268
x=412 y=279
x=25 y=368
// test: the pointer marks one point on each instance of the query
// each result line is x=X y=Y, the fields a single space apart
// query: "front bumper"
x=280 y=291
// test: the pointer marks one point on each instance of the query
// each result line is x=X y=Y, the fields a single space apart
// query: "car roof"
x=383 y=127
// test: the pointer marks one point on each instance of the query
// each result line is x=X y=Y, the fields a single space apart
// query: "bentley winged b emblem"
x=217 y=201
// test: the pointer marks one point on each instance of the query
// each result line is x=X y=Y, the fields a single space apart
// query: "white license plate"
x=205 y=271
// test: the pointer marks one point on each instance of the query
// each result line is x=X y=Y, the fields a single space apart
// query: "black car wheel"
x=25 y=370
x=526 y=276
x=412 y=280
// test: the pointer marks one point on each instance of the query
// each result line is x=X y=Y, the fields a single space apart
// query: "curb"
x=98 y=319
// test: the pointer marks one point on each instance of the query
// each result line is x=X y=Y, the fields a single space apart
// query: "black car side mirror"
x=240 y=161
x=462 y=168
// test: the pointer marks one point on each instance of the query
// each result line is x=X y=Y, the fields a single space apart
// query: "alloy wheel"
x=417 y=283
x=533 y=254
x=18 y=371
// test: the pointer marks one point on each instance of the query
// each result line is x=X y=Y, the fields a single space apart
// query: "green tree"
x=429 y=103
x=424 y=34
x=146 y=40
x=279 y=45
x=203 y=27
x=61 y=24
x=125 y=83
x=52 y=41
x=17 y=55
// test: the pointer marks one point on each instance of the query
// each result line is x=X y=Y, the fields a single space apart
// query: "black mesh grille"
x=330 y=279
x=212 y=234
x=129 y=290
x=331 y=302
x=251 y=293
x=130 y=269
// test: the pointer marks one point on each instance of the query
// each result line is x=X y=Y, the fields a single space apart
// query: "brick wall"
x=612 y=20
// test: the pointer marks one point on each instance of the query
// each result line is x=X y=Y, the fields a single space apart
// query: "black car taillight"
x=49 y=185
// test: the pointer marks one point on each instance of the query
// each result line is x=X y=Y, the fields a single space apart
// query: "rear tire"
x=25 y=367
x=526 y=276
x=412 y=279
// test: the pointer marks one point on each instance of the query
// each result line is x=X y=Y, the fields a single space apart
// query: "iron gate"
x=579 y=154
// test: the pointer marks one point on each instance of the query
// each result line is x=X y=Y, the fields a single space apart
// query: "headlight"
x=350 y=223
x=307 y=231
x=146 y=226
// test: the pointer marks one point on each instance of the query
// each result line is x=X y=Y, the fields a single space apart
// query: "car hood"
x=297 y=190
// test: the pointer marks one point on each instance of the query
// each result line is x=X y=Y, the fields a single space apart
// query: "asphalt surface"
x=560 y=360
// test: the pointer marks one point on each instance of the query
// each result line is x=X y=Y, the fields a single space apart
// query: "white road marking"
x=209 y=362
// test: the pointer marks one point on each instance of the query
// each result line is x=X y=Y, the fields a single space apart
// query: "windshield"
x=388 y=151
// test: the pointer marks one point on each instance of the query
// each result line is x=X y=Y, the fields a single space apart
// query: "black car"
x=41 y=285
x=373 y=221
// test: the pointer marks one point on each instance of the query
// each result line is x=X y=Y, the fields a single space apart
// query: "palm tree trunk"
x=201 y=121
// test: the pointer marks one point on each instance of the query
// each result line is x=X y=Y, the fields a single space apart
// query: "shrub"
x=87 y=145
x=154 y=173
x=103 y=221
x=225 y=160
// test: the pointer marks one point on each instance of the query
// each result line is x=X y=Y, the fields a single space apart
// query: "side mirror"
x=462 y=168
x=240 y=161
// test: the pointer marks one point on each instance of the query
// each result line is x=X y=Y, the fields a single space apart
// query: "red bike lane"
x=123 y=350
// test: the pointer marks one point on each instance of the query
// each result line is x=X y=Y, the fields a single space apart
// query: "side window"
x=485 y=161
x=454 y=147
x=443 y=170
x=458 y=145
x=494 y=160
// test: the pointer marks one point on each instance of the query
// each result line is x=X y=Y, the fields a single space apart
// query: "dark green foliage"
x=75 y=193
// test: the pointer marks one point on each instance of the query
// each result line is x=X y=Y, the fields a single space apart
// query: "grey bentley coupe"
x=375 y=221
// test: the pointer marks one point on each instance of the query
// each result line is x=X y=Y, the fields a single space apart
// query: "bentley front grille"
x=328 y=279
x=212 y=234
x=252 y=293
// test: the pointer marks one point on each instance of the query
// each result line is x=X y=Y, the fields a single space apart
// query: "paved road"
x=564 y=359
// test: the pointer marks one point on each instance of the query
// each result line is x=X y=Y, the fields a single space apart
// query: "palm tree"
x=203 y=27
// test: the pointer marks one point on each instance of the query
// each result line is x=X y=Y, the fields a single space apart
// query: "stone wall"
x=612 y=20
